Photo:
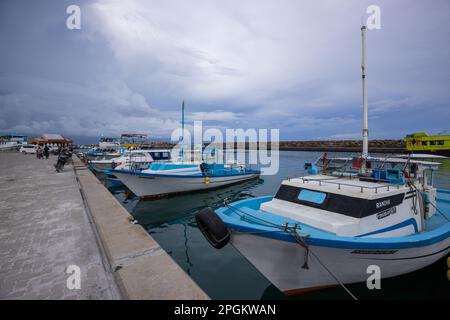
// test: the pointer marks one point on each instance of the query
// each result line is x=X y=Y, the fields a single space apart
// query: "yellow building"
x=420 y=142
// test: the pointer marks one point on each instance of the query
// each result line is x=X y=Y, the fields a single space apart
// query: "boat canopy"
x=387 y=160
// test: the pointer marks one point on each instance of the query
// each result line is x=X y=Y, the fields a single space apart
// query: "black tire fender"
x=212 y=227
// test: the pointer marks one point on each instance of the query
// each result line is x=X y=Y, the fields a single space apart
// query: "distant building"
x=51 y=139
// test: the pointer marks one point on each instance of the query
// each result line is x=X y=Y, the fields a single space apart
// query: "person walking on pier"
x=46 y=151
x=39 y=152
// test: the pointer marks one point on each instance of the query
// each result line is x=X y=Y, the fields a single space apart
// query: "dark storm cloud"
x=293 y=65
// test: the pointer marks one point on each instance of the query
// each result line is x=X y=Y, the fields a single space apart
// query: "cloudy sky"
x=292 y=65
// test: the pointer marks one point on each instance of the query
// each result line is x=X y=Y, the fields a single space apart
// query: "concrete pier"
x=43 y=230
x=50 y=221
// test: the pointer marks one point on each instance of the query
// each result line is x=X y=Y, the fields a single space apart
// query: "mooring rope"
x=292 y=230
x=243 y=215
x=334 y=276
x=308 y=250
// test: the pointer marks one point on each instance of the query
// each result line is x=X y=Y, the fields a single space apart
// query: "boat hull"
x=99 y=167
x=100 y=156
x=7 y=148
x=158 y=185
x=439 y=152
x=282 y=262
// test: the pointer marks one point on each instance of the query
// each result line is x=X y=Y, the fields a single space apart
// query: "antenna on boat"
x=182 y=131
x=365 y=132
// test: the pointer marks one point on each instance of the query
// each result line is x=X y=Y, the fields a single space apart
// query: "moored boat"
x=106 y=143
x=98 y=154
x=178 y=177
x=8 y=146
x=134 y=140
x=9 y=142
x=131 y=160
x=181 y=175
x=348 y=214
x=326 y=229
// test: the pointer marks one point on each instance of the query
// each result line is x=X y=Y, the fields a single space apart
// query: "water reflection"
x=182 y=208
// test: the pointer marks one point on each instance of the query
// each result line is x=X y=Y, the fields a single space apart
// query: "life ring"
x=212 y=228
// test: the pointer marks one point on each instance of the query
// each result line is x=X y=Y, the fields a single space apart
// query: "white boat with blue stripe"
x=164 y=178
x=326 y=228
x=136 y=159
x=323 y=230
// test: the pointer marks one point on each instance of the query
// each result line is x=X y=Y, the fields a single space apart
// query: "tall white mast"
x=182 y=132
x=365 y=132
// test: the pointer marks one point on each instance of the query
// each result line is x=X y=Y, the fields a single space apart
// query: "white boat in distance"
x=326 y=228
x=131 y=160
x=9 y=146
x=102 y=154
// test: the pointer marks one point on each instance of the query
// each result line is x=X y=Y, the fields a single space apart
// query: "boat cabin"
x=337 y=198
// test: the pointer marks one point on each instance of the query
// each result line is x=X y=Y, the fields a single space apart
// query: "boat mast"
x=182 y=132
x=365 y=132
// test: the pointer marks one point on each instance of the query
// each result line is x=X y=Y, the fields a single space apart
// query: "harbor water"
x=225 y=274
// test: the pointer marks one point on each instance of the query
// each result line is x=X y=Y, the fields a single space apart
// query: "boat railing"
x=330 y=161
x=387 y=186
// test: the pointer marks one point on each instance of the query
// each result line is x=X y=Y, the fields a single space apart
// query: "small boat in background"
x=8 y=146
x=9 y=142
x=133 y=140
x=131 y=160
x=107 y=148
x=102 y=154
x=106 y=143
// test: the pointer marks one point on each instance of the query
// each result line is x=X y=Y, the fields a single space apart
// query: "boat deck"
x=246 y=216
x=351 y=186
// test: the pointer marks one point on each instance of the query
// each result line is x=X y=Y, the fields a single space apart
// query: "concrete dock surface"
x=43 y=231
x=51 y=221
